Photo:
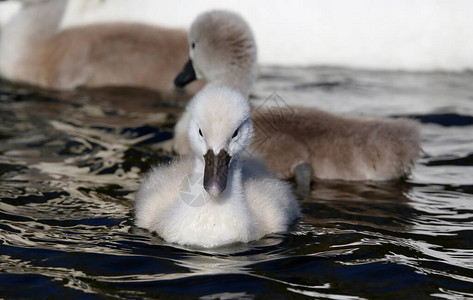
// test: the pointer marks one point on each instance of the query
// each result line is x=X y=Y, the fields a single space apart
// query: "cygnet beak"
x=186 y=76
x=216 y=172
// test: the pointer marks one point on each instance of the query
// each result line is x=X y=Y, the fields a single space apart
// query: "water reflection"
x=70 y=163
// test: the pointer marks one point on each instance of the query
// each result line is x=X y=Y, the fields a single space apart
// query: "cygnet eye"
x=235 y=134
x=193 y=45
x=200 y=132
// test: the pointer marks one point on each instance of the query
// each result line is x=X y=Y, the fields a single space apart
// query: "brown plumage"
x=337 y=147
x=110 y=54
x=327 y=146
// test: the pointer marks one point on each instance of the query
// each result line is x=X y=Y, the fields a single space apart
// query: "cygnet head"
x=219 y=130
x=222 y=49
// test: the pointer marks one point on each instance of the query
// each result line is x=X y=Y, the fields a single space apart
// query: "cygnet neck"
x=239 y=77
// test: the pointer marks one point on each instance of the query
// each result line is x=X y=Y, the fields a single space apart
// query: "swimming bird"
x=301 y=143
x=34 y=50
x=215 y=195
x=223 y=51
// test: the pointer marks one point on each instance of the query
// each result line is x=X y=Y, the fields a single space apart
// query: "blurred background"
x=413 y=35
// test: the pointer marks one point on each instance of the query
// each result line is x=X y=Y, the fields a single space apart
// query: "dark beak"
x=186 y=76
x=216 y=172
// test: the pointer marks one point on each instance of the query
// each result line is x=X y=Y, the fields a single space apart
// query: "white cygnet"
x=217 y=195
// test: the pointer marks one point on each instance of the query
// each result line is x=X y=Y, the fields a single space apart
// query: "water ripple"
x=71 y=162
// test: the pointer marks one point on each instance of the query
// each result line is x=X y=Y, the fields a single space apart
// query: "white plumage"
x=183 y=206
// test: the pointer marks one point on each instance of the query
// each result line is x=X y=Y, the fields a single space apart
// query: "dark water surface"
x=70 y=163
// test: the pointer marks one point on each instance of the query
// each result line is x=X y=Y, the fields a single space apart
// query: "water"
x=70 y=163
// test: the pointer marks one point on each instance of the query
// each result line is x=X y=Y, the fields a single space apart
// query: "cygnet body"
x=216 y=195
x=35 y=51
x=311 y=142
